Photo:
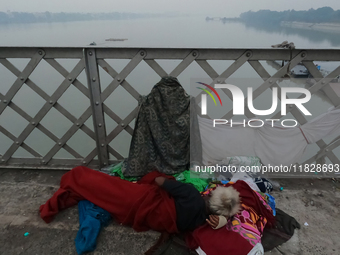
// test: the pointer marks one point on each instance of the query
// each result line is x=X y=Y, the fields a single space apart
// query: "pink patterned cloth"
x=248 y=222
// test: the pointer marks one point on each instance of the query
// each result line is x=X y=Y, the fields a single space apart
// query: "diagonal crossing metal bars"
x=39 y=116
x=268 y=83
x=90 y=59
x=227 y=73
x=34 y=122
x=22 y=113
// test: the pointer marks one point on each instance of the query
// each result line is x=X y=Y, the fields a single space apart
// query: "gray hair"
x=225 y=201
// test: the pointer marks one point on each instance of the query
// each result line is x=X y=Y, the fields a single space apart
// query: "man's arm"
x=177 y=189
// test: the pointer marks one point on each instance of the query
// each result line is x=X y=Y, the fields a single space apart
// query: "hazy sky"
x=229 y=8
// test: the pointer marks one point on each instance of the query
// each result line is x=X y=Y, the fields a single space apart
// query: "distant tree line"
x=26 y=17
x=321 y=15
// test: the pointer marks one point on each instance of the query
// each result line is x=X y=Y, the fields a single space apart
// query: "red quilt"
x=142 y=205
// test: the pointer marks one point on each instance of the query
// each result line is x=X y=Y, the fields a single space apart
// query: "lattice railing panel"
x=43 y=132
x=91 y=102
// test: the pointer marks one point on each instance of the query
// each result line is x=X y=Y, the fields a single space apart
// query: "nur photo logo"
x=239 y=103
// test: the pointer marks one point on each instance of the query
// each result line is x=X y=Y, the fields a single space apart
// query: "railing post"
x=93 y=81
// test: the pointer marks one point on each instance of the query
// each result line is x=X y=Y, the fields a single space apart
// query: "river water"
x=186 y=32
x=189 y=32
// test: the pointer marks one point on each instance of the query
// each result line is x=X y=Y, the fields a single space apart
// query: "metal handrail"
x=91 y=59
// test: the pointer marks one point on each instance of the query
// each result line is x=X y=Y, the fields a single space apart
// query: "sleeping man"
x=193 y=210
x=157 y=202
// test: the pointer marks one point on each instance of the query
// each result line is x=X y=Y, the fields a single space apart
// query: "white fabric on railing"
x=323 y=125
x=273 y=145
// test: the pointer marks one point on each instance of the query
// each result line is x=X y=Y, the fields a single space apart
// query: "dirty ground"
x=312 y=201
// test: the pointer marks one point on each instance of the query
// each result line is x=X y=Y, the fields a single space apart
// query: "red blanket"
x=218 y=241
x=142 y=205
x=224 y=241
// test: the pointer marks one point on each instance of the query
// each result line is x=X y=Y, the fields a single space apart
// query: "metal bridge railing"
x=92 y=60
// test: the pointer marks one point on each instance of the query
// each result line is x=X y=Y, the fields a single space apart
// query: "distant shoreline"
x=7 y=18
x=323 y=27
x=326 y=27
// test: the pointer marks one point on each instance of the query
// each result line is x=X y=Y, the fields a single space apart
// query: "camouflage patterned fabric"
x=161 y=138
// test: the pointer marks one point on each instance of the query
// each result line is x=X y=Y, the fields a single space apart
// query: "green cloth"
x=116 y=170
x=193 y=178
x=186 y=176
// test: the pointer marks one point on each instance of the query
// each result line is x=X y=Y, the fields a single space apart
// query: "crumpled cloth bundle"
x=91 y=219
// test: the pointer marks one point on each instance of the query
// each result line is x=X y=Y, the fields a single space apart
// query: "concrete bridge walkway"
x=315 y=201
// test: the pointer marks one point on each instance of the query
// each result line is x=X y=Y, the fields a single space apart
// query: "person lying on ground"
x=155 y=202
x=193 y=210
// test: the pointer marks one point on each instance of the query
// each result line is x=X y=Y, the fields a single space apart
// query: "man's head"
x=225 y=201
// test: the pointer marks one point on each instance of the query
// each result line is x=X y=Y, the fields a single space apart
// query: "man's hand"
x=213 y=221
x=159 y=180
